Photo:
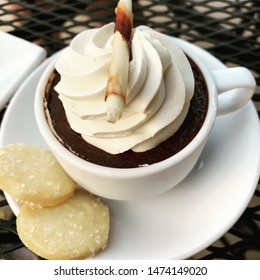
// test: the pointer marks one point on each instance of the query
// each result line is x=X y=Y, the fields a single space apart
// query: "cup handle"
x=235 y=87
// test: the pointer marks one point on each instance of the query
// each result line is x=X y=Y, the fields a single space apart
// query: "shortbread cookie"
x=32 y=175
x=75 y=229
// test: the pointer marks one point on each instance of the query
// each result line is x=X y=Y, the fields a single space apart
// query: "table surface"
x=230 y=30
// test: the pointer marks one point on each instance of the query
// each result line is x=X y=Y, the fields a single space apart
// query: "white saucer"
x=17 y=60
x=191 y=216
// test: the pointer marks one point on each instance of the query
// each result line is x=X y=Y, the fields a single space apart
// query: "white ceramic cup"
x=228 y=90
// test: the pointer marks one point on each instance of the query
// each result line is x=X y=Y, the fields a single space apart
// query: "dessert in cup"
x=127 y=111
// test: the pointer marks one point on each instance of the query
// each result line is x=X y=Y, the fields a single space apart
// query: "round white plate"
x=191 y=216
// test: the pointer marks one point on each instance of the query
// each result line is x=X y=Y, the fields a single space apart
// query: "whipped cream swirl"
x=160 y=88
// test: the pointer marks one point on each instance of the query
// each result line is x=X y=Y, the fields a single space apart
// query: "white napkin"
x=17 y=59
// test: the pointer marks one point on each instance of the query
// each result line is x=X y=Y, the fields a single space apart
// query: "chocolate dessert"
x=129 y=159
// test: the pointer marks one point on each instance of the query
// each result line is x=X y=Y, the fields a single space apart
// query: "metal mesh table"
x=229 y=29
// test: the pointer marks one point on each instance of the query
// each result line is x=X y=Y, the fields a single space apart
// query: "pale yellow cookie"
x=75 y=229
x=32 y=175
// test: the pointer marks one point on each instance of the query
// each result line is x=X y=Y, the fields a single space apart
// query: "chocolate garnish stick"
x=119 y=67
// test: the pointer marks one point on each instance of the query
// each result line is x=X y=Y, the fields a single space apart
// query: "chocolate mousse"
x=74 y=142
